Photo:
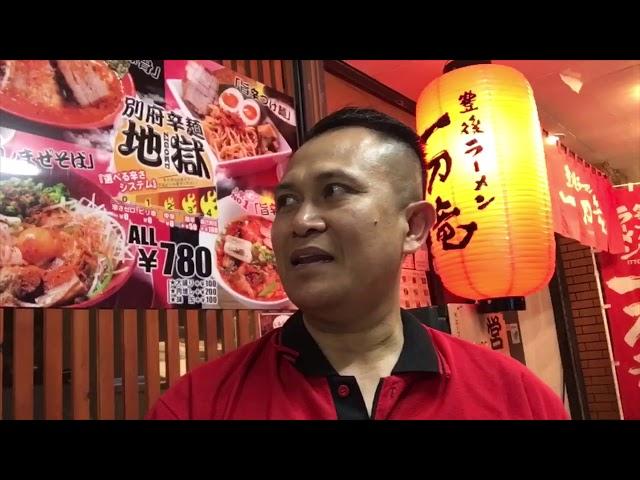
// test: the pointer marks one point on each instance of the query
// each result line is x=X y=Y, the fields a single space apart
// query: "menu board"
x=139 y=184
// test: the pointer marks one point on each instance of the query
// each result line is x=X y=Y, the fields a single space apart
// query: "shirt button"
x=343 y=391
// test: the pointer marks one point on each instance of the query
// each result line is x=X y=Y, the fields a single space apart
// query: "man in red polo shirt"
x=349 y=208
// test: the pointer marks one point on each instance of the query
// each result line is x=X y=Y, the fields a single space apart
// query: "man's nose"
x=308 y=220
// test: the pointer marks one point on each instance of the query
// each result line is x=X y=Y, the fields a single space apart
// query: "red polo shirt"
x=284 y=375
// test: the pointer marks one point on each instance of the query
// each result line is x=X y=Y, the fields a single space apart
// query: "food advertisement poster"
x=139 y=184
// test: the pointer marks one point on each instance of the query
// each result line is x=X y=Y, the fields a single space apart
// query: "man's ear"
x=420 y=217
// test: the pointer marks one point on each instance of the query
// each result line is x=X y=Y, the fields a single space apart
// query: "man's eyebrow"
x=335 y=173
x=320 y=177
x=283 y=187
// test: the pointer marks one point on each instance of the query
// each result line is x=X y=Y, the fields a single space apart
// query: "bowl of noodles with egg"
x=60 y=245
x=238 y=128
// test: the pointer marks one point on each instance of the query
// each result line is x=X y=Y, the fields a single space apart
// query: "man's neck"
x=355 y=342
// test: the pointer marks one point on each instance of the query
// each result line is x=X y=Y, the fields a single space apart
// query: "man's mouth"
x=310 y=256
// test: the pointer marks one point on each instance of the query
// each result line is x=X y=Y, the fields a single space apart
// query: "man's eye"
x=285 y=200
x=335 y=189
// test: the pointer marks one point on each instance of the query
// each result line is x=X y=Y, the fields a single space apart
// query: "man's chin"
x=309 y=298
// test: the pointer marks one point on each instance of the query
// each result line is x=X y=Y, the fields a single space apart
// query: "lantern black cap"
x=503 y=304
x=455 y=64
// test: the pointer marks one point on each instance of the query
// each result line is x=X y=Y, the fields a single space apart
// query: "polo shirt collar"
x=418 y=352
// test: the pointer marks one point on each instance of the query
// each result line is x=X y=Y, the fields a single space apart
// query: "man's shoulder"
x=459 y=353
x=476 y=367
x=231 y=360
x=203 y=383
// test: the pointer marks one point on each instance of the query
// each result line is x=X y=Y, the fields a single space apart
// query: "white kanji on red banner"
x=630 y=234
x=623 y=285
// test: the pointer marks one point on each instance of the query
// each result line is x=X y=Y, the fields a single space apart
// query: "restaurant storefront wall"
x=105 y=364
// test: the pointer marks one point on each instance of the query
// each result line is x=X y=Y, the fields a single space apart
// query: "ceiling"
x=599 y=117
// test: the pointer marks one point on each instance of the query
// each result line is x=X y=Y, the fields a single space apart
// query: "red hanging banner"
x=582 y=202
x=621 y=285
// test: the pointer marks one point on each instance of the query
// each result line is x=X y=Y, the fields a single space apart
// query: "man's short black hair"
x=380 y=122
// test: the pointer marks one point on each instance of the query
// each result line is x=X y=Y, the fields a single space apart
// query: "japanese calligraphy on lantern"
x=486 y=178
x=439 y=168
x=436 y=171
x=621 y=282
x=467 y=100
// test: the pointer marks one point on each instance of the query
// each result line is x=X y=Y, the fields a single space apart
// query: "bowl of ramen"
x=59 y=246
x=238 y=129
x=246 y=264
x=74 y=94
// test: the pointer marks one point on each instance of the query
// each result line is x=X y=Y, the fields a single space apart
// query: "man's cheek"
x=276 y=236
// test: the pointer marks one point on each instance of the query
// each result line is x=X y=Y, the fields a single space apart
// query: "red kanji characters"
x=466 y=100
x=476 y=148
x=446 y=232
x=480 y=199
x=475 y=125
x=480 y=183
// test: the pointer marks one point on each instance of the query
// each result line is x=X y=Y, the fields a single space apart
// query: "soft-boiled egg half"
x=230 y=100
x=250 y=112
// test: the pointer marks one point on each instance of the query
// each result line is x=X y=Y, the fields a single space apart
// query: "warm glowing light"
x=487 y=178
